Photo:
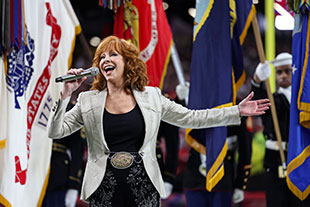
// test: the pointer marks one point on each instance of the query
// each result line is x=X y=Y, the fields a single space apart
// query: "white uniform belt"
x=273 y=145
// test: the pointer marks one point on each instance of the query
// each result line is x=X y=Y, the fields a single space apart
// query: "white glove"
x=263 y=71
x=168 y=187
x=202 y=166
x=182 y=91
x=71 y=197
x=238 y=195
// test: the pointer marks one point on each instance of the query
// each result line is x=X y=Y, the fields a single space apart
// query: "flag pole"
x=270 y=40
x=178 y=67
x=270 y=96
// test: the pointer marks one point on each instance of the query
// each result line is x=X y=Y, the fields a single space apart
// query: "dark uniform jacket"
x=66 y=163
x=272 y=157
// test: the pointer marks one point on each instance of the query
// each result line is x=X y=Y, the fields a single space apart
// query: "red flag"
x=145 y=24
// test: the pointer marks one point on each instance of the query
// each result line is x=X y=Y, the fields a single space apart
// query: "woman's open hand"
x=253 y=108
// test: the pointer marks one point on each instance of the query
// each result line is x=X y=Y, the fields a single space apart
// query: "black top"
x=124 y=132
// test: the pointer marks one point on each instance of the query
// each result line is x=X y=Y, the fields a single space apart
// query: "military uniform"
x=277 y=191
x=239 y=138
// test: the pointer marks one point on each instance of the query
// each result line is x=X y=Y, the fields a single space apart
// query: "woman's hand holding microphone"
x=71 y=86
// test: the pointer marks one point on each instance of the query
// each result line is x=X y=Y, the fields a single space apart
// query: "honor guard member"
x=234 y=182
x=277 y=192
x=66 y=170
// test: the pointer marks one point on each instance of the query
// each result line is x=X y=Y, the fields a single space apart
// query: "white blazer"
x=88 y=112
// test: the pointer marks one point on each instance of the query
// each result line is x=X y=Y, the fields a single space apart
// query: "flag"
x=3 y=96
x=111 y=4
x=282 y=7
x=144 y=23
x=295 y=5
x=28 y=91
x=216 y=73
x=298 y=162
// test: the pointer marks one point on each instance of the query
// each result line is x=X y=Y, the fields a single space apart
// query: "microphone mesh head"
x=94 y=70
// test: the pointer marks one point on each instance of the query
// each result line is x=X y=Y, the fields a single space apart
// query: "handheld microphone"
x=92 y=71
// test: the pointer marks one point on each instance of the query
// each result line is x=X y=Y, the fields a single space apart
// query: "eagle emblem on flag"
x=19 y=68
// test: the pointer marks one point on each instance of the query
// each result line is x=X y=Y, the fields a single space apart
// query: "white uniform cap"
x=282 y=59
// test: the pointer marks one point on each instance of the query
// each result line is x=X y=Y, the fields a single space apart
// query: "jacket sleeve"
x=180 y=116
x=62 y=123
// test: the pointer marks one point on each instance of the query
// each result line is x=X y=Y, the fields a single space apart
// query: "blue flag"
x=298 y=168
x=216 y=73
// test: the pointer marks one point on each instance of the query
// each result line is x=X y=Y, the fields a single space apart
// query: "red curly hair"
x=135 y=72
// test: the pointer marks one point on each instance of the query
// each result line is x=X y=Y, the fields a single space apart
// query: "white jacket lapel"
x=98 y=104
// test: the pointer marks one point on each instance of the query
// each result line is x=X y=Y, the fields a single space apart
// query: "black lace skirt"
x=130 y=187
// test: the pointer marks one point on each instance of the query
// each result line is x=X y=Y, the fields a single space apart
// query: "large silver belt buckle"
x=122 y=160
